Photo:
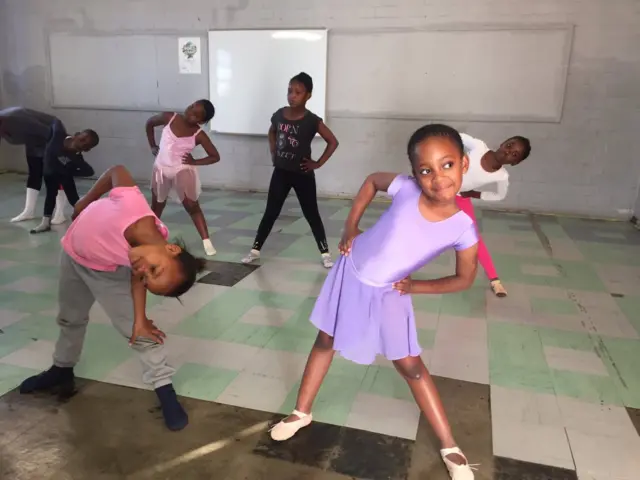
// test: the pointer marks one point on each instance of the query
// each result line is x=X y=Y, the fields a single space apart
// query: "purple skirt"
x=365 y=320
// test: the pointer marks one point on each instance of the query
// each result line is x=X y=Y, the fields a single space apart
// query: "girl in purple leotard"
x=364 y=308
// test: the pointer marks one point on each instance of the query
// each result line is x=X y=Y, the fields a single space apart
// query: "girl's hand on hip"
x=148 y=330
x=308 y=165
x=155 y=150
x=404 y=286
x=188 y=159
x=347 y=239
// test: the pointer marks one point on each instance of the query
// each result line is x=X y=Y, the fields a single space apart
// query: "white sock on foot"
x=44 y=226
x=29 y=206
x=252 y=255
x=209 y=249
x=58 y=214
x=326 y=260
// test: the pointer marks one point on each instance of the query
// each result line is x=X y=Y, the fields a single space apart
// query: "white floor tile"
x=543 y=444
x=596 y=419
x=389 y=416
x=267 y=316
x=582 y=361
x=30 y=285
x=9 y=317
x=540 y=270
x=602 y=457
x=128 y=374
x=250 y=390
x=460 y=365
x=36 y=355
x=286 y=366
x=213 y=353
x=523 y=406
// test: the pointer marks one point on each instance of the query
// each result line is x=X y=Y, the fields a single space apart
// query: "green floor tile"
x=298 y=340
x=201 y=381
x=516 y=358
x=426 y=338
x=621 y=359
x=345 y=368
x=427 y=303
x=104 y=349
x=553 y=306
x=590 y=388
x=334 y=401
x=630 y=306
x=11 y=376
x=564 y=339
x=386 y=382
x=469 y=303
x=248 y=334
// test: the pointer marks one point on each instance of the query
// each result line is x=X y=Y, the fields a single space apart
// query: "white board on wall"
x=249 y=72
x=463 y=72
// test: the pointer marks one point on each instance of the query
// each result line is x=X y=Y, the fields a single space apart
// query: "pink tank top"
x=173 y=148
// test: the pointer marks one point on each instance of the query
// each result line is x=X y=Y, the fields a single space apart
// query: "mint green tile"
x=28 y=302
x=333 y=403
x=300 y=319
x=345 y=368
x=293 y=340
x=249 y=334
x=469 y=303
x=386 y=382
x=11 y=376
x=620 y=356
x=590 y=388
x=580 y=275
x=516 y=358
x=305 y=248
x=565 y=339
x=247 y=223
x=201 y=381
x=299 y=227
x=308 y=276
x=427 y=303
x=610 y=254
x=630 y=306
x=104 y=349
x=426 y=337
x=243 y=241
x=553 y=306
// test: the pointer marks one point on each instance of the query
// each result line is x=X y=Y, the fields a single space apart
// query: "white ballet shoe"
x=458 y=472
x=498 y=288
x=29 y=211
x=25 y=215
x=251 y=256
x=284 y=431
x=209 y=249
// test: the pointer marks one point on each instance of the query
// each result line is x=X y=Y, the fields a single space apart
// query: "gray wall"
x=636 y=207
x=586 y=164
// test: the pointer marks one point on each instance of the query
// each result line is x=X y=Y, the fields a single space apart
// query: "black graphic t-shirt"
x=293 y=140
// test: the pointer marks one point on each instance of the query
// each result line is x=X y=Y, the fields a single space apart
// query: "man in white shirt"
x=487 y=167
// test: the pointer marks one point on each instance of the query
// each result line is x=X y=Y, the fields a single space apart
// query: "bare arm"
x=272 y=140
x=212 y=152
x=376 y=182
x=332 y=143
x=117 y=176
x=153 y=122
x=139 y=294
x=466 y=268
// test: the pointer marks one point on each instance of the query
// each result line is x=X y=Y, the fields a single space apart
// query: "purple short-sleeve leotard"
x=357 y=304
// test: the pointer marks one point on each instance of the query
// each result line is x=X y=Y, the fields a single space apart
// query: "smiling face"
x=511 y=152
x=297 y=95
x=438 y=167
x=158 y=266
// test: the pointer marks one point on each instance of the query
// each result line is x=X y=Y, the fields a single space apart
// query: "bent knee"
x=192 y=207
x=323 y=341
x=409 y=369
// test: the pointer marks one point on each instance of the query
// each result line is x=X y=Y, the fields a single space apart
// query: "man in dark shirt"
x=50 y=152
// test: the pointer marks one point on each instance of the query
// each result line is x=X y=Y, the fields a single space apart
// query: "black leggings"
x=52 y=183
x=281 y=184
x=34 y=180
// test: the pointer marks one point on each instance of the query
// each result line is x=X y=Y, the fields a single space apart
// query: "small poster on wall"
x=189 y=55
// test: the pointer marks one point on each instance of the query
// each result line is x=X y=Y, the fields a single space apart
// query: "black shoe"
x=55 y=380
x=175 y=418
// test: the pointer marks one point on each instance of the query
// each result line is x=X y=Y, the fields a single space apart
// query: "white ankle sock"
x=58 y=214
x=209 y=249
x=44 y=226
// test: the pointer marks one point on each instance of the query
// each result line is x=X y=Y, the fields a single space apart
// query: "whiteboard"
x=121 y=71
x=249 y=72
x=505 y=73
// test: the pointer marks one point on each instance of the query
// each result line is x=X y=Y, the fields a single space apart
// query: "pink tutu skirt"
x=365 y=320
x=180 y=183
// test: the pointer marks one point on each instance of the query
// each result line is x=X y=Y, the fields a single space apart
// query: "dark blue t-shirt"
x=293 y=140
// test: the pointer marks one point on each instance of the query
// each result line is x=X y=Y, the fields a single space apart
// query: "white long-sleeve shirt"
x=477 y=177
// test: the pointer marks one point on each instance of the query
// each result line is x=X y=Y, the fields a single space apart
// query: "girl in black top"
x=290 y=135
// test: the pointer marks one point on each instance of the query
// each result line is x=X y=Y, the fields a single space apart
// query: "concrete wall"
x=586 y=164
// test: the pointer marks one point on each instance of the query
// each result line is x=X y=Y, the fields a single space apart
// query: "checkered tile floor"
x=560 y=354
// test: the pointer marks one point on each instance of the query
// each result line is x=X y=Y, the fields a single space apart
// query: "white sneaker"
x=326 y=260
x=209 y=249
x=251 y=256
x=284 y=431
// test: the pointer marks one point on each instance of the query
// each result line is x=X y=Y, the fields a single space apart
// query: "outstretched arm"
x=117 y=176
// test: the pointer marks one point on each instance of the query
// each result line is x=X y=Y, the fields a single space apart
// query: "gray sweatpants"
x=78 y=289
